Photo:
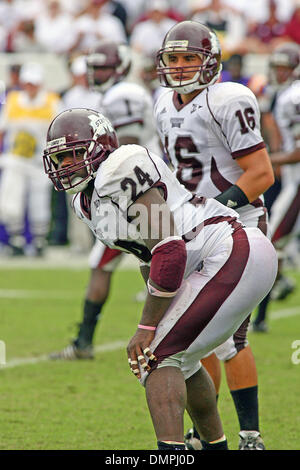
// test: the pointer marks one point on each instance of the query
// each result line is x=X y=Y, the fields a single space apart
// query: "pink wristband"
x=146 y=327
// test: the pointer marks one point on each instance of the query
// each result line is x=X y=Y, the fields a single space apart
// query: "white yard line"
x=35 y=360
x=114 y=346
x=288 y=312
x=36 y=294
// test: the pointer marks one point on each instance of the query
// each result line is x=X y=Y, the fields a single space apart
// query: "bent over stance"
x=204 y=270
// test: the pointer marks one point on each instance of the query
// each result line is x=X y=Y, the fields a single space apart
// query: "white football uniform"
x=285 y=220
x=229 y=268
x=203 y=139
x=129 y=108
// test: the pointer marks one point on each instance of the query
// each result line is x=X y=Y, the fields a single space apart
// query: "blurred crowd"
x=62 y=27
x=69 y=30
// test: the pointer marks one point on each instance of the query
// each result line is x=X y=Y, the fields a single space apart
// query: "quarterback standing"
x=211 y=132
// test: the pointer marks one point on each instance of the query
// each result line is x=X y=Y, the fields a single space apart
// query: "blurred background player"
x=211 y=132
x=24 y=119
x=284 y=69
x=129 y=108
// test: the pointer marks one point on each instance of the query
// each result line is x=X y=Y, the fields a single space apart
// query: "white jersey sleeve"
x=236 y=118
x=126 y=175
x=129 y=107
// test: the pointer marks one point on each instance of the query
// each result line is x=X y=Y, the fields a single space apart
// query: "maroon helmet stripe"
x=208 y=301
x=286 y=225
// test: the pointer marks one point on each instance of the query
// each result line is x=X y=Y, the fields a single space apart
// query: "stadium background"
x=85 y=405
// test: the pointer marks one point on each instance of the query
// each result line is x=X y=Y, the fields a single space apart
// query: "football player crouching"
x=204 y=270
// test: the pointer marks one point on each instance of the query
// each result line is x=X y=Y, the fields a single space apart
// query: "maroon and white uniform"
x=203 y=139
x=130 y=110
x=285 y=220
x=229 y=268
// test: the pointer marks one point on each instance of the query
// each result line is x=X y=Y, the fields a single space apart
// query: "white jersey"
x=287 y=115
x=129 y=172
x=129 y=107
x=205 y=137
x=81 y=97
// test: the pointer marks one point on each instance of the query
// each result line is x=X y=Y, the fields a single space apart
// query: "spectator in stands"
x=228 y=23
x=148 y=35
x=116 y=9
x=263 y=36
x=134 y=10
x=233 y=71
x=292 y=30
x=79 y=95
x=95 y=24
x=23 y=39
x=54 y=29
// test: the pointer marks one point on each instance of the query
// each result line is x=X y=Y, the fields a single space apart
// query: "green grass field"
x=99 y=404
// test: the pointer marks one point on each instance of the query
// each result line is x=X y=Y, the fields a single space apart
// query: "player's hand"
x=139 y=353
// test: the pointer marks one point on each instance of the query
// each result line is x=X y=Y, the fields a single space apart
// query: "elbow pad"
x=167 y=266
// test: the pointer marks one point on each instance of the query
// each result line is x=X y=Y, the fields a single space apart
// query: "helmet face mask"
x=107 y=64
x=65 y=178
x=78 y=140
x=284 y=64
x=189 y=38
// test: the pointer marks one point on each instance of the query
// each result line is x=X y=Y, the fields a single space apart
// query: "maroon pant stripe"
x=208 y=301
x=286 y=225
x=108 y=255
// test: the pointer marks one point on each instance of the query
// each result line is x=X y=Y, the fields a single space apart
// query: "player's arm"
x=257 y=177
x=145 y=272
x=165 y=275
x=282 y=158
x=258 y=174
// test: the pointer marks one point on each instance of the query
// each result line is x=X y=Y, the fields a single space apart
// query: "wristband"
x=233 y=197
x=146 y=327
x=159 y=293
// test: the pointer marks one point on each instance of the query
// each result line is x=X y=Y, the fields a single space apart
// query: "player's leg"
x=39 y=210
x=12 y=205
x=212 y=365
x=103 y=262
x=167 y=394
x=242 y=380
x=285 y=214
x=202 y=408
x=218 y=292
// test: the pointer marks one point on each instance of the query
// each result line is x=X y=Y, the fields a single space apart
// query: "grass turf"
x=99 y=404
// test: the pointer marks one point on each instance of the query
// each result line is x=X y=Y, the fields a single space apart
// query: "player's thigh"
x=104 y=258
x=12 y=194
x=235 y=343
x=39 y=199
x=285 y=212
